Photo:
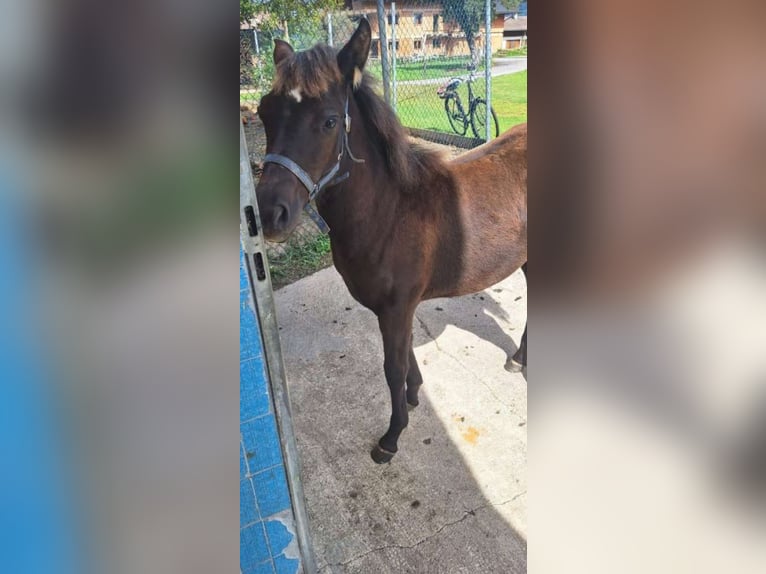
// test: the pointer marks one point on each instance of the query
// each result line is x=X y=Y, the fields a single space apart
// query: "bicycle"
x=477 y=107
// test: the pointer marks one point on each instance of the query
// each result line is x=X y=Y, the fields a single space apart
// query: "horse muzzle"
x=280 y=200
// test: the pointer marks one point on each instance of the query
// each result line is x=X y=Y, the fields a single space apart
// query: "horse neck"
x=362 y=208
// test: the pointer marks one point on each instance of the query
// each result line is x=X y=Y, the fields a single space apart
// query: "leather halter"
x=327 y=180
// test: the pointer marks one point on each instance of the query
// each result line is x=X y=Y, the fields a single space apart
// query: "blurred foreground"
x=647 y=446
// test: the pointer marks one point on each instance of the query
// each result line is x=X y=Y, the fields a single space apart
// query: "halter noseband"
x=327 y=179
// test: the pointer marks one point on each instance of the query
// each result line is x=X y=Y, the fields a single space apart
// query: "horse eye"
x=330 y=123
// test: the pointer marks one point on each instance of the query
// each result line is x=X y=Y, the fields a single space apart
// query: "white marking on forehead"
x=296 y=93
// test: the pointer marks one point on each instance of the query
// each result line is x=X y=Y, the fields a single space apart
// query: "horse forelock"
x=307 y=74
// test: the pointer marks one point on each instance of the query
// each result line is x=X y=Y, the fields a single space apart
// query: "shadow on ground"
x=454 y=497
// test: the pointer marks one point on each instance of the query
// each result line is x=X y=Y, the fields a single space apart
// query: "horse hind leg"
x=519 y=360
x=414 y=379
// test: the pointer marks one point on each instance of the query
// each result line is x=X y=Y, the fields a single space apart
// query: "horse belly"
x=490 y=226
x=479 y=277
x=494 y=245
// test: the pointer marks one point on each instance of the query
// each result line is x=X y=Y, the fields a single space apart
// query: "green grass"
x=300 y=260
x=428 y=70
x=509 y=98
x=419 y=106
x=515 y=52
x=249 y=97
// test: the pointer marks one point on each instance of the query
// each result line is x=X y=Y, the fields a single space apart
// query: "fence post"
x=329 y=29
x=488 y=124
x=383 y=50
x=258 y=54
x=393 y=54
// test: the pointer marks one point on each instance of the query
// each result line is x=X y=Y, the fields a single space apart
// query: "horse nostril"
x=281 y=216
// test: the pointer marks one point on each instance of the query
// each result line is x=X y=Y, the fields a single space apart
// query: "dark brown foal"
x=405 y=225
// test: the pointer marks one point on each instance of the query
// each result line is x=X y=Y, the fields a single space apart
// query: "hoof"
x=381 y=455
x=412 y=404
x=513 y=366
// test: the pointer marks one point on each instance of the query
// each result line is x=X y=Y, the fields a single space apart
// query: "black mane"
x=410 y=163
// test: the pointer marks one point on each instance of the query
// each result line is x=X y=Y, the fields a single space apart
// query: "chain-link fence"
x=437 y=63
x=430 y=57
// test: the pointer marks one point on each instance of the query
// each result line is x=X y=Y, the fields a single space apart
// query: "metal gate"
x=274 y=536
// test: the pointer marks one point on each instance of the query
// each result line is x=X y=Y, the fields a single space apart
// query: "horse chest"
x=366 y=283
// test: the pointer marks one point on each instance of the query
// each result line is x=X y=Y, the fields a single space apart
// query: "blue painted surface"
x=261 y=443
x=266 y=522
x=37 y=504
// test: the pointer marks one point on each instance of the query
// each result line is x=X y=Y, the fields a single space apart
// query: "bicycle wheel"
x=455 y=114
x=478 y=119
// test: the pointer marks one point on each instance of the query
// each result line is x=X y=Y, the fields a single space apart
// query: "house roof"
x=515 y=24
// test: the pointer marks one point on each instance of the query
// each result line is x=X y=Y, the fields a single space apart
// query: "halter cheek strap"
x=327 y=179
x=300 y=173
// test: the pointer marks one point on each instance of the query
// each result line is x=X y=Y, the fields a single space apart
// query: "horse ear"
x=282 y=50
x=353 y=56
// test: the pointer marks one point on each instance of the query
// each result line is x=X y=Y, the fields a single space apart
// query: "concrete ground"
x=453 y=500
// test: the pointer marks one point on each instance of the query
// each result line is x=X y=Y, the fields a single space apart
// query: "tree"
x=246 y=10
x=275 y=14
x=277 y=19
x=470 y=15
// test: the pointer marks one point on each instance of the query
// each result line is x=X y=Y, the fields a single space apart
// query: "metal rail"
x=488 y=123
x=260 y=284
x=383 y=50
x=393 y=53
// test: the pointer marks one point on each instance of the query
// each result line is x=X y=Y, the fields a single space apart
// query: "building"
x=423 y=32
x=515 y=32
x=515 y=28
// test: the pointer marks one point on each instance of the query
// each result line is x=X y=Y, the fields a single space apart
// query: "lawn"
x=424 y=70
x=515 y=52
x=418 y=106
x=300 y=260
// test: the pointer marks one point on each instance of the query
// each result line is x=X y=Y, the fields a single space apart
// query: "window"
x=436 y=22
x=397 y=19
x=374 y=49
x=418 y=45
x=397 y=45
x=437 y=43
x=418 y=17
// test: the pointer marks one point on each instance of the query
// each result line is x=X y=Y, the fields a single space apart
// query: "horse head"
x=306 y=119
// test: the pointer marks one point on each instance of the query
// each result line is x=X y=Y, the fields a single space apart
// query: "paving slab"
x=453 y=500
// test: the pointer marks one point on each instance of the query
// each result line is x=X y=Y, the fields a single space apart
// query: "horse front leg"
x=396 y=329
